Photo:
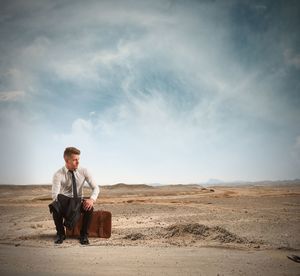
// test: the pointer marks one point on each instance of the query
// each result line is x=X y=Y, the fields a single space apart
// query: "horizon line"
x=217 y=182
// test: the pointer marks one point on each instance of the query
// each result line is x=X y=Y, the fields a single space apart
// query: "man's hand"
x=88 y=204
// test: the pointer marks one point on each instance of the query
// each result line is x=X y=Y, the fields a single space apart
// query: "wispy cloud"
x=11 y=95
x=292 y=58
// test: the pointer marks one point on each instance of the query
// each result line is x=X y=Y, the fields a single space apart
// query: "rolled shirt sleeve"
x=95 y=188
x=56 y=183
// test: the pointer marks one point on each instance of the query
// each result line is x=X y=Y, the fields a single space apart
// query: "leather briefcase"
x=100 y=225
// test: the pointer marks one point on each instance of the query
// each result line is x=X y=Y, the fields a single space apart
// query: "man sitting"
x=69 y=176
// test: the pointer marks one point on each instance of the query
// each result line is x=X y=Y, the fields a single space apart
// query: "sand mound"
x=177 y=230
x=200 y=231
x=188 y=233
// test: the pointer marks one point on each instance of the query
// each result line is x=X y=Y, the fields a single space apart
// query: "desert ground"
x=247 y=229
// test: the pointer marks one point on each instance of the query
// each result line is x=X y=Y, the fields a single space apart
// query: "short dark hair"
x=71 y=150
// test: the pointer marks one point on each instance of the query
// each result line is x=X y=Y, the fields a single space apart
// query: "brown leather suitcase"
x=100 y=225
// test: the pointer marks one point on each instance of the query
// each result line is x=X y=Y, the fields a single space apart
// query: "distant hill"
x=126 y=186
x=155 y=184
x=256 y=183
x=214 y=181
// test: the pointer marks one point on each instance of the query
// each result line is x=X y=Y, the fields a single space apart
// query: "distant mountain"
x=214 y=181
x=155 y=184
x=125 y=186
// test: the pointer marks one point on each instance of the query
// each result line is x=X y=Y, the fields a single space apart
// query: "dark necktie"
x=74 y=184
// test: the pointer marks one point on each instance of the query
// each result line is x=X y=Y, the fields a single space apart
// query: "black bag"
x=55 y=206
x=72 y=214
x=69 y=207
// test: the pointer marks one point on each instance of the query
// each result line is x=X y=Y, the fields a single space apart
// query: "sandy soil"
x=173 y=229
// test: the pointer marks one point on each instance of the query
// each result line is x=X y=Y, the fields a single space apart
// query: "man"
x=62 y=190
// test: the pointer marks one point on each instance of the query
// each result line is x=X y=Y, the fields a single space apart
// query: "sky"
x=153 y=91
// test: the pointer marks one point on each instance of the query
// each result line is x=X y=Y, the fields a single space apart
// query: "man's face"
x=72 y=162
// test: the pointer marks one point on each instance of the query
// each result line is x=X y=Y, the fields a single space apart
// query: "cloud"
x=159 y=90
x=11 y=95
x=295 y=150
x=292 y=58
x=297 y=143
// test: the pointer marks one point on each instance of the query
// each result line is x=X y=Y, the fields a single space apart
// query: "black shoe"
x=84 y=239
x=60 y=238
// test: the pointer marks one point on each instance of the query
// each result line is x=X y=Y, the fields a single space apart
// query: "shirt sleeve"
x=56 y=183
x=89 y=179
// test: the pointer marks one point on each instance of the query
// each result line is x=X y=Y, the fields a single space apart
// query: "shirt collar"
x=65 y=169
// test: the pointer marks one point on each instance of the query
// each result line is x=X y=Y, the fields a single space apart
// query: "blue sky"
x=150 y=91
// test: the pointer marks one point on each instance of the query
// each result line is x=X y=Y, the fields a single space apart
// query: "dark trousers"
x=58 y=217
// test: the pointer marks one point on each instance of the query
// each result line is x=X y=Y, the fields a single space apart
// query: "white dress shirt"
x=62 y=183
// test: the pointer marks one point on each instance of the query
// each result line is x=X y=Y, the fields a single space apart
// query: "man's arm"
x=55 y=185
x=89 y=179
